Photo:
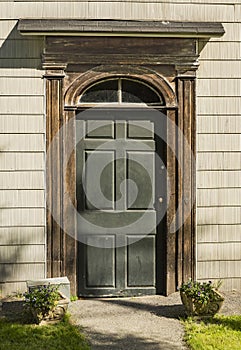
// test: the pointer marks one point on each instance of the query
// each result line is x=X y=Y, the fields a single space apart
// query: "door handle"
x=160 y=200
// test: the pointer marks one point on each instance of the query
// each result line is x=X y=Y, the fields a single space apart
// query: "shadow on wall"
x=22 y=253
x=6 y=265
x=18 y=51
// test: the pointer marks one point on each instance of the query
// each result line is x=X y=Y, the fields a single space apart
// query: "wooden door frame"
x=169 y=52
x=180 y=245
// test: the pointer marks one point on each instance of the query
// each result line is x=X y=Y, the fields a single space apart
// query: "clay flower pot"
x=201 y=298
x=208 y=309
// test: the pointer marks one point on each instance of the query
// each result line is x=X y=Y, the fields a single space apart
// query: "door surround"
x=163 y=54
x=175 y=246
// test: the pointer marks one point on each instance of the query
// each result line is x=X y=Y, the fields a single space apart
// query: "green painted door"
x=120 y=187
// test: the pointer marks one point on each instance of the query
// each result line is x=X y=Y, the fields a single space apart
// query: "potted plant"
x=201 y=298
x=46 y=303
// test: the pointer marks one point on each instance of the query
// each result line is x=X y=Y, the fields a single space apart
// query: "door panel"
x=116 y=196
x=100 y=263
x=99 y=188
x=141 y=262
x=140 y=170
x=100 y=129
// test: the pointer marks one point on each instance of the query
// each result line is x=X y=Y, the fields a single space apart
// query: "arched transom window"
x=121 y=91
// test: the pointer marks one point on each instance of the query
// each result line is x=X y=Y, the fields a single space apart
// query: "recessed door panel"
x=100 y=262
x=99 y=173
x=141 y=180
x=141 y=262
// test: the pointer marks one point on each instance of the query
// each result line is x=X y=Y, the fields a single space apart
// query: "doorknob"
x=160 y=199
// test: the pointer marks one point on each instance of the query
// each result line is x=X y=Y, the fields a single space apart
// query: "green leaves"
x=42 y=298
x=200 y=292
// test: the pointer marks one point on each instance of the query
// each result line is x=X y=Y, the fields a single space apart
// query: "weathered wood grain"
x=220 y=251
x=222 y=51
x=219 y=179
x=218 y=233
x=54 y=190
x=222 y=124
x=22 y=105
x=22 y=254
x=218 y=105
x=214 y=69
x=22 y=235
x=7 y=28
x=21 y=86
x=218 y=87
x=22 y=124
x=10 y=288
x=232 y=31
x=22 y=198
x=121 y=10
x=22 y=217
x=21 y=272
x=29 y=68
x=22 y=142
x=219 y=269
x=218 y=142
x=110 y=50
x=22 y=180
x=219 y=161
x=21 y=48
x=218 y=215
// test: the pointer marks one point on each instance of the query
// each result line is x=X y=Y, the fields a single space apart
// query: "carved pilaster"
x=186 y=92
x=54 y=120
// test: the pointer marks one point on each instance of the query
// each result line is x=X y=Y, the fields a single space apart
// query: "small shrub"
x=201 y=293
x=42 y=299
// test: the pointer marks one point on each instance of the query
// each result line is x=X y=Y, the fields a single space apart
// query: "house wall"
x=22 y=128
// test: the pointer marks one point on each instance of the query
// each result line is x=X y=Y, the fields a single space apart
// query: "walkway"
x=141 y=323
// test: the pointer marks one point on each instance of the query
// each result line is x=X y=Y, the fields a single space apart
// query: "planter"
x=53 y=316
x=202 y=310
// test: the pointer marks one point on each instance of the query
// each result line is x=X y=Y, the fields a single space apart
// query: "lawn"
x=62 y=336
x=219 y=333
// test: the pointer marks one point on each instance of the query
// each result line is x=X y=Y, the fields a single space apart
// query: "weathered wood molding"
x=149 y=76
x=54 y=192
x=52 y=72
x=186 y=91
x=187 y=71
x=119 y=27
x=61 y=247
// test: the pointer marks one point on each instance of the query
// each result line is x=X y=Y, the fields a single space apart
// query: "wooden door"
x=120 y=180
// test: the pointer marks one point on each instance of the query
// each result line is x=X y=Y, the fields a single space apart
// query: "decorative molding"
x=119 y=28
x=187 y=71
x=143 y=74
x=54 y=73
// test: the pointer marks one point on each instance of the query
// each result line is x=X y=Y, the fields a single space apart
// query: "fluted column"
x=54 y=193
x=186 y=144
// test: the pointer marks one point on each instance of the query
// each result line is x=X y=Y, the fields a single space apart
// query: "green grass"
x=61 y=336
x=219 y=333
